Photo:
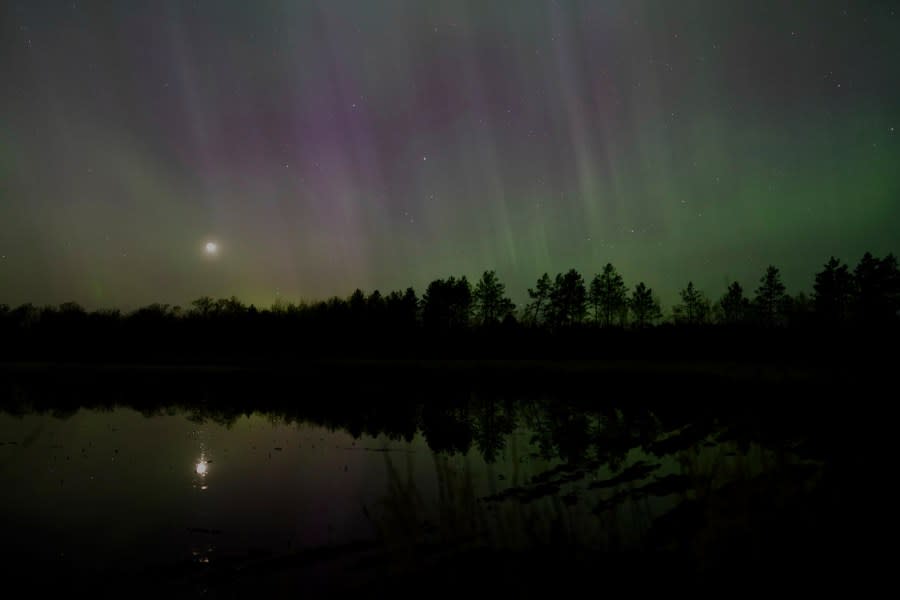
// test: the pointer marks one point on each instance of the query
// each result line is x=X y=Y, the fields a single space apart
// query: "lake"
x=203 y=491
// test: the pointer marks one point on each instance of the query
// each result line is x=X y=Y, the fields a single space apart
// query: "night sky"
x=328 y=145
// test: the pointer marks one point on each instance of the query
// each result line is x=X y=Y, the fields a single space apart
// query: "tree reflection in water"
x=535 y=489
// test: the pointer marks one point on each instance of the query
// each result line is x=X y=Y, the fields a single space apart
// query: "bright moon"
x=212 y=248
x=200 y=467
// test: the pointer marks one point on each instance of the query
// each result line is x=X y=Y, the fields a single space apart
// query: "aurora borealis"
x=328 y=145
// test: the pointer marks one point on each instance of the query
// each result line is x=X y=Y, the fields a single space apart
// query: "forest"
x=565 y=317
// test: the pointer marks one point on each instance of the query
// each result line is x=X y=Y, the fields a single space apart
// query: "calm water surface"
x=200 y=501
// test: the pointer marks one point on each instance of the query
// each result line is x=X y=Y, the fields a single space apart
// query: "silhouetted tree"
x=410 y=304
x=878 y=289
x=694 y=307
x=770 y=298
x=204 y=306
x=229 y=306
x=608 y=296
x=224 y=328
x=799 y=310
x=376 y=309
x=568 y=298
x=279 y=306
x=357 y=304
x=734 y=308
x=490 y=301
x=536 y=310
x=25 y=315
x=153 y=313
x=71 y=309
x=644 y=306
x=335 y=311
x=375 y=301
x=833 y=292
x=447 y=304
x=402 y=309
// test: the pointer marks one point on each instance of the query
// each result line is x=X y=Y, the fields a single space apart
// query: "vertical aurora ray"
x=330 y=145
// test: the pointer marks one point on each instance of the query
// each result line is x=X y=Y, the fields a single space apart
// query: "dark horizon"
x=881 y=275
x=847 y=320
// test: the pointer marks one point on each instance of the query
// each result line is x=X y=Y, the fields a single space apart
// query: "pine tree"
x=694 y=307
x=770 y=298
x=734 y=308
x=568 y=298
x=608 y=296
x=877 y=289
x=833 y=292
x=536 y=310
x=447 y=304
x=644 y=306
x=490 y=301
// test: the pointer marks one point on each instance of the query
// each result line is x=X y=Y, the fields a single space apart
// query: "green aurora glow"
x=333 y=145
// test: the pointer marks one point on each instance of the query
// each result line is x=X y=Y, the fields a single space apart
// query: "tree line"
x=864 y=298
